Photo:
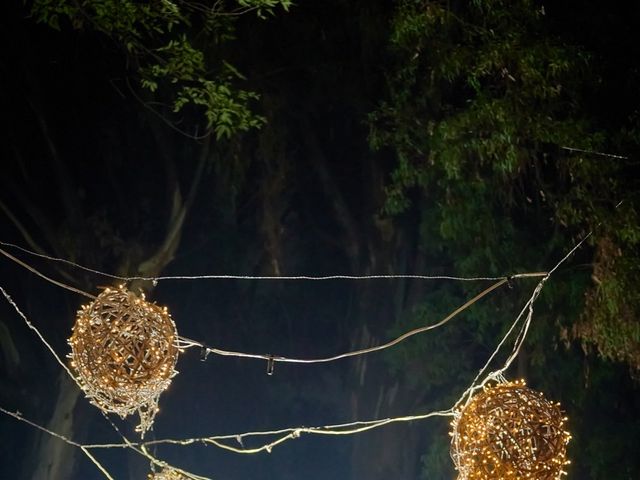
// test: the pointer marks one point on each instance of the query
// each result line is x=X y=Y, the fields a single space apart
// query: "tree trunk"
x=377 y=394
x=54 y=459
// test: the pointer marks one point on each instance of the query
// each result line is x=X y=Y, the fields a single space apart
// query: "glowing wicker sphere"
x=124 y=354
x=167 y=474
x=509 y=432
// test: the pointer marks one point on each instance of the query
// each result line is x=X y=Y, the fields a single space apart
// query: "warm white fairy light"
x=123 y=351
x=509 y=432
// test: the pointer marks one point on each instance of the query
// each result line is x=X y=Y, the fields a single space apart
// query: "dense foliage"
x=488 y=115
x=176 y=47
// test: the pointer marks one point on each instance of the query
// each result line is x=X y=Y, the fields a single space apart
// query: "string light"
x=509 y=432
x=123 y=350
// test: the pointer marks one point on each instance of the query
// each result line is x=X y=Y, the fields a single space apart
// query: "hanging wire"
x=187 y=343
x=295 y=432
x=592 y=152
x=255 y=277
x=528 y=307
x=37 y=332
x=48 y=279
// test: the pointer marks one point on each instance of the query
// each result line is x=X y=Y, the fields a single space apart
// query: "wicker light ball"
x=509 y=432
x=167 y=474
x=123 y=350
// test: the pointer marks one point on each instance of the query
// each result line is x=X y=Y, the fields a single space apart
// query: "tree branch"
x=61 y=172
x=165 y=253
x=22 y=229
x=343 y=214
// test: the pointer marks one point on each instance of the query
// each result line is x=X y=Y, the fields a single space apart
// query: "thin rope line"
x=290 y=433
x=48 y=279
x=60 y=260
x=337 y=429
x=580 y=150
x=263 y=277
x=297 y=432
x=314 y=277
x=97 y=464
x=527 y=323
x=38 y=334
x=468 y=394
x=18 y=416
x=218 y=441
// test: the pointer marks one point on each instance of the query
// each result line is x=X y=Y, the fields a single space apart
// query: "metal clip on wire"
x=204 y=353
x=271 y=363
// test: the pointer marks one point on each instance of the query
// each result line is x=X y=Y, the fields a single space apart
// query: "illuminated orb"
x=167 y=474
x=509 y=432
x=123 y=350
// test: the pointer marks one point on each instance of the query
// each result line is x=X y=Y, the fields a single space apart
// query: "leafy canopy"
x=483 y=98
x=174 y=47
